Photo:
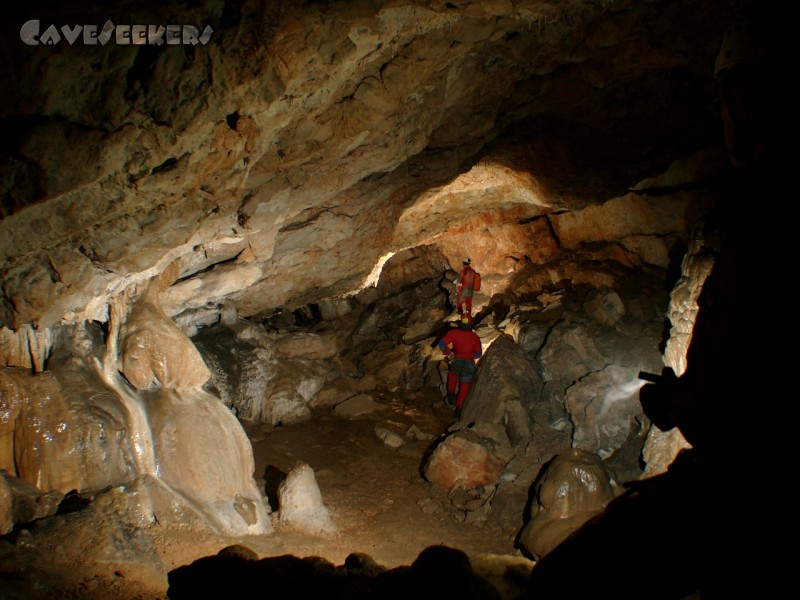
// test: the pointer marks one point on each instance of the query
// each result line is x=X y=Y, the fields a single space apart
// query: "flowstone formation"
x=125 y=408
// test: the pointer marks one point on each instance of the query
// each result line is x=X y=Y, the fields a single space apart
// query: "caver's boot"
x=450 y=400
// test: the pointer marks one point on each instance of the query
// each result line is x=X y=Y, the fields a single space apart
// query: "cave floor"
x=376 y=495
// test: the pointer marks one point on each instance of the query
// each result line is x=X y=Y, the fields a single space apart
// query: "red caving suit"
x=466 y=349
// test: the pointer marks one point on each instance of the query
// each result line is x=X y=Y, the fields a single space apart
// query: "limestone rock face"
x=257 y=382
x=605 y=306
x=629 y=219
x=280 y=161
x=606 y=412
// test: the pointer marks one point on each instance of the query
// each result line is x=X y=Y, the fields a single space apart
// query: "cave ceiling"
x=280 y=161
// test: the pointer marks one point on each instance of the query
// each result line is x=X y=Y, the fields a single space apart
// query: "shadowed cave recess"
x=226 y=260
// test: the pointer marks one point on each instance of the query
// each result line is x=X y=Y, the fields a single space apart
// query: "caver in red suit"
x=464 y=346
x=466 y=283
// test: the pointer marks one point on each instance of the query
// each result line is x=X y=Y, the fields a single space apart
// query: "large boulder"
x=573 y=487
x=506 y=392
x=467 y=460
x=608 y=417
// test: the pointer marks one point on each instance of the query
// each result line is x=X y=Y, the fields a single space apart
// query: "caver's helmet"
x=742 y=45
x=467 y=261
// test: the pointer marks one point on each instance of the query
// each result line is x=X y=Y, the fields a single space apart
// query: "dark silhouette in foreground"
x=438 y=572
x=678 y=534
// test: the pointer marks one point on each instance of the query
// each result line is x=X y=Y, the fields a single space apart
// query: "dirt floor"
x=377 y=497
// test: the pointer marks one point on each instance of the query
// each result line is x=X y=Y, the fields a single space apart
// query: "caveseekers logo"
x=124 y=35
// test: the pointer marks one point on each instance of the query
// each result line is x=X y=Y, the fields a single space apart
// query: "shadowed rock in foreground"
x=438 y=572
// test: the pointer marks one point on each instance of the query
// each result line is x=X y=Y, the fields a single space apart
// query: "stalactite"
x=27 y=347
